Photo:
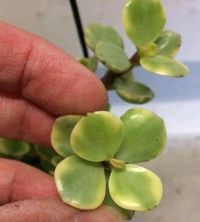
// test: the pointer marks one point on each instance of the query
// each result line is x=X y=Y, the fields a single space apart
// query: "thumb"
x=102 y=214
x=52 y=210
x=46 y=210
x=28 y=195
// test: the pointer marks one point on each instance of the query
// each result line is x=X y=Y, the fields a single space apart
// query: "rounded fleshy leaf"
x=96 y=33
x=11 y=148
x=143 y=21
x=144 y=136
x=61 y=132
x=112 y=56
x=135 y=188
x=168 y=43
x=90 y=63
x=163 y=65
x=97 y=137
x=132 y=91
x=126 y=214
x=80 y=183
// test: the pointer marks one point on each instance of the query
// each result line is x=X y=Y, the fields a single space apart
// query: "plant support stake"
x=79 y=27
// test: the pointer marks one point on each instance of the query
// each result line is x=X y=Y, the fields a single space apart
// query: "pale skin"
x=39 y=82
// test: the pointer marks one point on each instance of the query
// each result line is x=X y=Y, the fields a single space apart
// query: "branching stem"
x=110 y=76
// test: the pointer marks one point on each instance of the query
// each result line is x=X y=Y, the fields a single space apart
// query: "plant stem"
x=79 y=26
x=110 y=76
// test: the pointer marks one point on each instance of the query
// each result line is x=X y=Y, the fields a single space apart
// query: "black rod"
x=79 y=27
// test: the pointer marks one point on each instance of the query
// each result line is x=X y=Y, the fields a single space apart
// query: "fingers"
x=20 y=182
x=23 y=120
x=45 y=75
x=33 y=197
x=52 y=210
x=48 y=210
x=102 y=214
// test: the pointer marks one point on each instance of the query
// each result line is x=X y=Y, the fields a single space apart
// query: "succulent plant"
x=144 y=22
x=102 y=147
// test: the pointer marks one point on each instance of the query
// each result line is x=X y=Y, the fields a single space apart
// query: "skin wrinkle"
x=11 y=53
x=8 y=121
x=6 y=186
x=28 y=78
x=11 y=188
x=22 y=82
x=22 y=120
x=40 y=210
x=53 y=95
x=54 y=92
x=51 y=83
x=22 y=130
x=34 y=193
x=48 y=73
x=23 y=181
x=47 y=62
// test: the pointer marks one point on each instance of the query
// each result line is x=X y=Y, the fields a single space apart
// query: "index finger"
x=45 y=75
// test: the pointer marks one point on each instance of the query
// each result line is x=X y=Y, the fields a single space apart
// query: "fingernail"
x=102 y=214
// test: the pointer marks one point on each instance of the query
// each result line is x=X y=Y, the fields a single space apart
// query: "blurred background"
x=177 y=100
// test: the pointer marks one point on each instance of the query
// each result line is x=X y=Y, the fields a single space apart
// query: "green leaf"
x=45 y=153
x=31 y=157
x=168 y=43
x=80 y=183
x=112 y=56
x=56 y=160
x=48 y=158
x=47 y=167
x=127 y=76
x=126 y=214
x=144 y=136
x=143 y=21
x=61 y=132
x=135 y=188
x=96 y=33
x=163 y=65
x=97 y=137
x=11 y=148
x=132 y=91
x=150 y=50
x=90 y=63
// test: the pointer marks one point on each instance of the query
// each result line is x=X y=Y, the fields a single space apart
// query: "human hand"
x=37 y=83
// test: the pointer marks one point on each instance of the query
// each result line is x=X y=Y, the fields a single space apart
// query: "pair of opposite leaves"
x=89 y=142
